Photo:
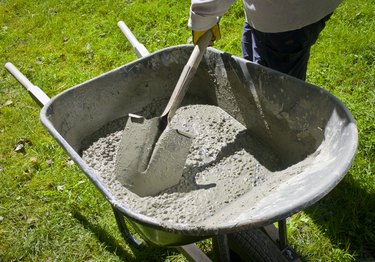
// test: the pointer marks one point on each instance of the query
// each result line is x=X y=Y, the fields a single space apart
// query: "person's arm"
x=205 y=15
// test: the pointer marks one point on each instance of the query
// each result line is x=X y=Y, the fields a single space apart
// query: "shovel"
x=152 y=155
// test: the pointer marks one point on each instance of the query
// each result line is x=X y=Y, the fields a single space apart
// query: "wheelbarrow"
x=311 y=130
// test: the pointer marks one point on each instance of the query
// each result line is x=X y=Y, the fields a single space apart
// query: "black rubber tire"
x=254 y=245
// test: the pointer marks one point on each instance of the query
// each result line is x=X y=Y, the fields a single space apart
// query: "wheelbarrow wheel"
x=253 y=245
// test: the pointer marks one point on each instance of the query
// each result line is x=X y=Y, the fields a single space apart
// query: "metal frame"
x=219 y=242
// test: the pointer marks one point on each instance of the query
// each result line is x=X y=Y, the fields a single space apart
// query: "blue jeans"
x=287 y=52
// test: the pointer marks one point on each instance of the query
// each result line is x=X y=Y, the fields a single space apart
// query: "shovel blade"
x=150 y=160
x=167 y=162
x=136 y=145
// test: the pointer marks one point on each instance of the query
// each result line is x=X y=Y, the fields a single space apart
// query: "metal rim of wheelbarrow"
x=277 y=214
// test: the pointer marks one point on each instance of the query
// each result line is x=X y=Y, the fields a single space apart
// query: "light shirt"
x=269 y=16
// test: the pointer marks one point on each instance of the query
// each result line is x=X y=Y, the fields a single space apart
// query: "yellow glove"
x=215 y=34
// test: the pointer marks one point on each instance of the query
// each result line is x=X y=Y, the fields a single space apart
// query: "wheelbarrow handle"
x=35 y=92
x=139 y=49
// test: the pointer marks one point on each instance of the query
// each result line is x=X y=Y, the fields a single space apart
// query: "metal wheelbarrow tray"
x=298 y=119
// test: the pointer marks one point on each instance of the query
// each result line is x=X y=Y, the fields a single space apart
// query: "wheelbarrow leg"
x=280 y=237
x=283 y=236
x=124 y=229
x=221 y=248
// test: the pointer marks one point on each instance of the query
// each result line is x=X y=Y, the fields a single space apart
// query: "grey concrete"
x=311 y=132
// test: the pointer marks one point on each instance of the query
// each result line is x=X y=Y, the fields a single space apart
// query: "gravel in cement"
x=225 y=162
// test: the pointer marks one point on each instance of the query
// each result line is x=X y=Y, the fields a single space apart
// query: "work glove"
x=215 y=34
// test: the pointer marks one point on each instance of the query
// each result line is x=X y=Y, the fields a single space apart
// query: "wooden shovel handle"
x=187 y=75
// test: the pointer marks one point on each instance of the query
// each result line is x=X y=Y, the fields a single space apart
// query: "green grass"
x=49 y=211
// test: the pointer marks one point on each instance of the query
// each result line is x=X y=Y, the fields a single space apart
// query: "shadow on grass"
x=348 y=215
x=141 y=253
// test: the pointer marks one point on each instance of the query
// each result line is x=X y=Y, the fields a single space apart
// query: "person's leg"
x=287 y=52
x=247 y=47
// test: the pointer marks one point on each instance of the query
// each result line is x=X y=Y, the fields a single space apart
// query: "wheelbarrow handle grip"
x=35 y=92
x=139 y=49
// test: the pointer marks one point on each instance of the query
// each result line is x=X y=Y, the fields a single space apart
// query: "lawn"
x=49 y=211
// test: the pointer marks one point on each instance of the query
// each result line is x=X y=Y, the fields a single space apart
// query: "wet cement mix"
x=224 y=163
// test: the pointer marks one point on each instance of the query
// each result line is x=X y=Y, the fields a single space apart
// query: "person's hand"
x=215 y=34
